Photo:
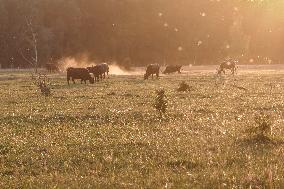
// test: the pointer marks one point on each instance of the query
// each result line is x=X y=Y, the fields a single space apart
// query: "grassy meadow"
x=109 y=135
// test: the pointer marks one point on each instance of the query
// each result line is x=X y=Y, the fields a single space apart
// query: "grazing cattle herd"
x=100 y=71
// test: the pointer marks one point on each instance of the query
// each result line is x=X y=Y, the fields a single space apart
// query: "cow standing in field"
x=79 y=73
x=104 y=68
x=97 y=71
x=172 y=69
x=151 y=70
x=228 y=65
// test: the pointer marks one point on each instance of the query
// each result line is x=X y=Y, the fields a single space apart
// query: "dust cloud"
x=117 y=70
x=114 y=68
x=73 y=62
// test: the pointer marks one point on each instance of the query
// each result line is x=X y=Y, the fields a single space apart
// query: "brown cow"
x=97 y=71
x=79 y=73
x=104 y=68
x=151 y=70
x=172 y=69
x=228 y=65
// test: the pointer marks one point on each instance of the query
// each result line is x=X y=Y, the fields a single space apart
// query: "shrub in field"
x=183 y=86
x=45 y=89
x=263 y=126
x=42 y=82
x=161 y=101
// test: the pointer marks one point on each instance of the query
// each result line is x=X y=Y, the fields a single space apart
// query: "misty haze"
x=142 y=94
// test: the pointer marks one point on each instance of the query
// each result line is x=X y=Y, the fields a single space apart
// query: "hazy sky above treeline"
x=139 y=32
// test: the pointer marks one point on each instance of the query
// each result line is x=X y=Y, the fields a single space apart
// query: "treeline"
x=138 y=32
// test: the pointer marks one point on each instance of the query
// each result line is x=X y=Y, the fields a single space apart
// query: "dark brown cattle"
x=79 y=73
x=172 y=69
x=97 y=71
x=51 y=67
x=228 y=65
x=151 y=70
x=104 y=69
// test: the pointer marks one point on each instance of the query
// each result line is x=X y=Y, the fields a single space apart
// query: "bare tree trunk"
x=35 y=47
x=33 y=61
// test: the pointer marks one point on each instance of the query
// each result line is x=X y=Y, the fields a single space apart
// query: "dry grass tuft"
x=43 y=83
x=183 y=87
x=161 y=102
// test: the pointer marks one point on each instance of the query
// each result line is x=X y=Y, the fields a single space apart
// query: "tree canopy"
x=142 y=31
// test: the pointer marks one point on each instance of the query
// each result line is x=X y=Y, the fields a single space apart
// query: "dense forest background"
x=139 y=32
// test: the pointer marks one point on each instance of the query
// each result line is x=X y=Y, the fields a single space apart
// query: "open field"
x=108 y=135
